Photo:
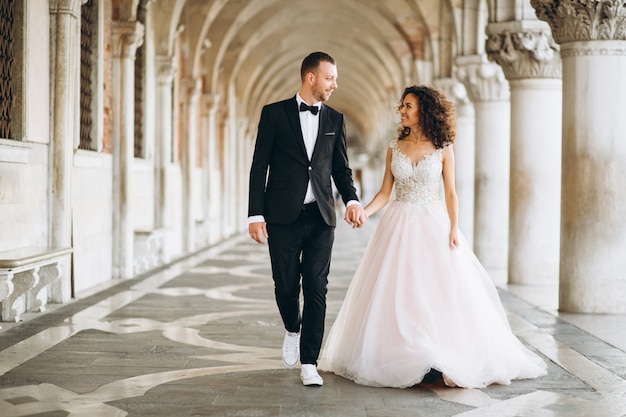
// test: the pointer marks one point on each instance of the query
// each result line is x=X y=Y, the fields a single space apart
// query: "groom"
x=302 y=143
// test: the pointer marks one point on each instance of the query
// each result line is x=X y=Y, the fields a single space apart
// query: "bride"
x=420 y=302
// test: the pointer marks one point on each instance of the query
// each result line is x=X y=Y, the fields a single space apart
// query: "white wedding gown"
x=415 y=304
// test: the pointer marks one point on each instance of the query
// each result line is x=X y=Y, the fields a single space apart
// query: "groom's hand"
x=355 y=215
x=258 y=231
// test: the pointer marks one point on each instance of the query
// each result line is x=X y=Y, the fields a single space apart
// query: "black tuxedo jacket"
x=279 y=149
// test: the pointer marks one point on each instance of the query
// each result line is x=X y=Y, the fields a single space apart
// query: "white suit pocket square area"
x=329 y=134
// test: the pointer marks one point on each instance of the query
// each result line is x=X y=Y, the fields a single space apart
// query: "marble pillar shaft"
x=592 y=37
x=127 y=36
x=215 y=174
x=488 y=90
x=163 y=139
x=65 y=122
x=529 y=58
x=189 y=159
x=491 y=206
x=593 y=224
x=535 y=181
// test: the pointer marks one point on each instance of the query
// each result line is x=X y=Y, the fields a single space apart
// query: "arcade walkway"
x=202 y=338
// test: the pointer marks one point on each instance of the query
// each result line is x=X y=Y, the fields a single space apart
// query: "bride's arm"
x=452 y=203
x=382 y=197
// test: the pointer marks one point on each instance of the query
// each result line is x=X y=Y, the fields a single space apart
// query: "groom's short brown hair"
x=312 y=61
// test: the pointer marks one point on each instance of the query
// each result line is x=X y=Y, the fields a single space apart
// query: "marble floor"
x=202 y=337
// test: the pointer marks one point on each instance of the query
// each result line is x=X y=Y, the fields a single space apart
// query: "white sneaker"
x=291 y=349
x=309 y=376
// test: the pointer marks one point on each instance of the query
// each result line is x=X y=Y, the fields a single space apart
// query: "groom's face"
x=324 y=81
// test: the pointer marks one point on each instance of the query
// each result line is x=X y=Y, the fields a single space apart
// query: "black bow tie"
x=312 y=109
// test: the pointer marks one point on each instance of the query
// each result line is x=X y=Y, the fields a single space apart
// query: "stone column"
x=530 y=59
x=163 y=137
x=229 y=170
x=216 y=226
x=126 y=37
x=489 y=91
x=204 y=109
x=242 y=174
x=223 y=144
x=65 y=66
x=191 y=93
x=464 y=153
x=592 y=37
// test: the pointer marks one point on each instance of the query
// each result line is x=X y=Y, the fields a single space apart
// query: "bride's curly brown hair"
x=437 y=119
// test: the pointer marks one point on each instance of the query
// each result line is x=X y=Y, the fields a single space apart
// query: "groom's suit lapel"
x=294 y=120
x=321 y=133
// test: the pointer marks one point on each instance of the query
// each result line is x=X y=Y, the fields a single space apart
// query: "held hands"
x=355 y=216
x=258 y=231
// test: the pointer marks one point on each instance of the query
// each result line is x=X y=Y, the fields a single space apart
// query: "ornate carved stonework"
x=166 y=69
x=595 y=50
x=127 y=37
x=525 y=54
x=453 y=89
x=66 y=6
x=484 y=81
x=583 y=20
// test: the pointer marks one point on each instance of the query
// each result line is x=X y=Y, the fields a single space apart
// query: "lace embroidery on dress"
x=417 y=184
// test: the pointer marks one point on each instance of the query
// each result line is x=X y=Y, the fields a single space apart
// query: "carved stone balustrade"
x=25 y=276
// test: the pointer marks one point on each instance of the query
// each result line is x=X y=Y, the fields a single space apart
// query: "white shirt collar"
x=300 y=100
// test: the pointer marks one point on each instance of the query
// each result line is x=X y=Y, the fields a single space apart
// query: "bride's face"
x=409 y=116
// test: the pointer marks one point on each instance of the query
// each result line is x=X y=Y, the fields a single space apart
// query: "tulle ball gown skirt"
x=414 y=305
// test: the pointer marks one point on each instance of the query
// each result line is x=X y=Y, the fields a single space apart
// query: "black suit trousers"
x=300 y=255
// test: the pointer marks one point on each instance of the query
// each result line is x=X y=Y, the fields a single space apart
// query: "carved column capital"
x=165 y=69
x=484 y=81
x=66 y=6
x=127 y=37
x=583 y=20
x=453 y=89
x=524 y=52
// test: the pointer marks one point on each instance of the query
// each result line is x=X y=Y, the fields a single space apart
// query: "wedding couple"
x=420 y=304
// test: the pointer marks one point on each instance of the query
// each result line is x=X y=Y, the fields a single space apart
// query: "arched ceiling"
x=254 y=48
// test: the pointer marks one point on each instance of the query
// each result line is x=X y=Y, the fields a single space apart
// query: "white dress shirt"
x=310 y=124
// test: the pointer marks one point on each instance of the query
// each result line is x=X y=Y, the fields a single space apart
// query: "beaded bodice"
x=416 y=182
